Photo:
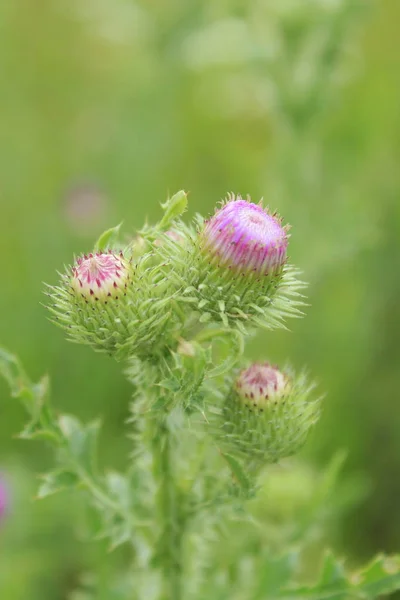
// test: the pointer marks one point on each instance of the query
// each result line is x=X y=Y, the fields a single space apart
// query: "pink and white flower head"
x=3 y=498
x=260 y=384
x=268 y=414
x=100 y=276
x=246 y=238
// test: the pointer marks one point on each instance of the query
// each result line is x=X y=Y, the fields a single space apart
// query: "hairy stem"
x=169 y=512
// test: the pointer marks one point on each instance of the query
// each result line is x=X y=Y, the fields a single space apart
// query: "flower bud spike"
x=267 y=414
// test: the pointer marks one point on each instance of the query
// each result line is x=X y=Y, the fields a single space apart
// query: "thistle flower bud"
x=101 y=276
x=261 y=384
x=107 y=303
x=239 y=273
x=244 y=237
x=268 y=414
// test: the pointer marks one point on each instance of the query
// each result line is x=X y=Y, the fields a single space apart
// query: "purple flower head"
x=245 y=238
x=3 y=498
x=260 y=384
x=100 y=276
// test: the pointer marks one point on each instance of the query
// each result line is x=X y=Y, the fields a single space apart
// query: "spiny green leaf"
x=34 y=396
x=119 y=488
x=107 y=239
x=233 y=339
x=119 y=535
x=333 y=572
x=81 y=439
x=380 y=577
x=275 y=572
x=56 y=481
x=173 y=208
x=32 y=432
x=13 y=373
x=238 y=472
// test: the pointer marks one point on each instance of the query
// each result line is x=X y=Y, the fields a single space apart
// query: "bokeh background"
x=107 y=106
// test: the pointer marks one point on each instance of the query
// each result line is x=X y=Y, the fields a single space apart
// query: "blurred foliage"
x=106 y=106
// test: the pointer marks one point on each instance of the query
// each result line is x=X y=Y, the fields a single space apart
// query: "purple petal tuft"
x=244 y=237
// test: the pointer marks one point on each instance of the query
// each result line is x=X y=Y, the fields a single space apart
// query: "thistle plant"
x=176 y=306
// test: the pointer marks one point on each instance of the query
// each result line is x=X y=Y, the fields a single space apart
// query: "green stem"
x=170 y=515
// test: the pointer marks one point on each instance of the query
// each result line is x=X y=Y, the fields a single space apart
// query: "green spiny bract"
x=267 y=414
x=232 y=268
x=114 y=305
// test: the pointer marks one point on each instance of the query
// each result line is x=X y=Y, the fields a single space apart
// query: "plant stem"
x=169 y=551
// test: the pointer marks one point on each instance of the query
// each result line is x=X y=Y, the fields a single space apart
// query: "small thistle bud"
x=268 y=414
x=261 y=384
x=106 y=302
x=239 y=273
x=100 y=276
x=244 y=237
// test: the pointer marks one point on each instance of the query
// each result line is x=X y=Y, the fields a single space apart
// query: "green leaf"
x=379 y=577
x=120 y=534
x=11 y=370
x=107 y=239
x=238 y=472
x=275 y=572
x=330 y=477
x=332 y=571
x=19 y=383
x=55 y=482
x=32 y=432
x=81 y=439
x=119 y=488
x=34 y=396
x=172 y=384
x=173 y=208
x=233 y=340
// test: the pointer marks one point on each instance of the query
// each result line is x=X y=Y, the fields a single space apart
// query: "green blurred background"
x=109 y=105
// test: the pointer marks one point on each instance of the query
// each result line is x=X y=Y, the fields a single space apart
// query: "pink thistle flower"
x=245 y=238
x=3 y=498
x=100 y=276
x=260 y=384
